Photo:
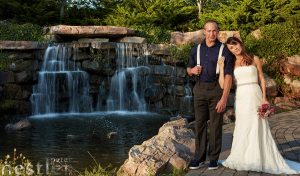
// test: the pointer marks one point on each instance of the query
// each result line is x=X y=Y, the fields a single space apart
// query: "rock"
x=295 y=60
x=133 y=40
x=90 y=31
x=155 y=93
x=21 y=125
x=22 y=45
x=90 y=40
x=158 y=49
x=290 y=68
x=23 y=77
x=256 y=34
x=7 y=77
x=172 y=147
x=196 y=37
x=112 y=134
x=294 y=87
x=229 y=116
x=181 y=38
x=286 y=103
x=271 y=86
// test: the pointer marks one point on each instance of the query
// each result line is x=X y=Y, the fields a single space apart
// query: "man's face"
x=211 y=32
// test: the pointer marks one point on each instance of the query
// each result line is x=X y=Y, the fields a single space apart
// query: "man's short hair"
x=211 y=21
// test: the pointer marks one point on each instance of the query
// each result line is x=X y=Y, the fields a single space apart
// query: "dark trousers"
x=206 y=97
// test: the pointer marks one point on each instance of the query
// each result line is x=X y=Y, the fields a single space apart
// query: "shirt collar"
x=217 y=43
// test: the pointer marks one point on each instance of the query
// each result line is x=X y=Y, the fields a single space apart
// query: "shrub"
x=181 y=53
x=25 y=32
x=153 y=34
x=277 y=42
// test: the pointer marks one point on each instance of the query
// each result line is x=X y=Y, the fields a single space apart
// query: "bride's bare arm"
x=221 y=74
x=261 y=79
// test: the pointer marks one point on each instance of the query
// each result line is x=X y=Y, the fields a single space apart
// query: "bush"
x=181 y=53
x=277 y=41
x=153 y=34
x=24 y=32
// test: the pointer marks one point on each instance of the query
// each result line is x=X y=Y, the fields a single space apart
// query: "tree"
x=247 y=15
x=170 y=14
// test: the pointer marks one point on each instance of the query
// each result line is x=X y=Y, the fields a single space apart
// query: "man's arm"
x=223 y=101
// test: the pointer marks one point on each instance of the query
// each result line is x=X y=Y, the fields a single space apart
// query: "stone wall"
x=21 y=62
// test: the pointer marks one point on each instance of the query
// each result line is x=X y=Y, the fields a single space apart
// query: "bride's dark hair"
x=247 y=59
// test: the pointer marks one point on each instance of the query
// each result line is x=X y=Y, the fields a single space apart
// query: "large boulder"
x=18 y=126
x=271 y=86
x=286 y=103
x=291 y=66
x=172 y=147
x=89 y=31
x=294 y=87
x=196 y=37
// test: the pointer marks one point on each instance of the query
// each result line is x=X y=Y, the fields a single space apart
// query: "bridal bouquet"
x=265 y=110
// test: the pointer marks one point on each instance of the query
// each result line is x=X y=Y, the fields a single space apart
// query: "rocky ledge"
x=90 y=31
x=172 y=147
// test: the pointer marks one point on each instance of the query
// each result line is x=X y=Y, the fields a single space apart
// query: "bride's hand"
x=221 y=61
x=265 y=101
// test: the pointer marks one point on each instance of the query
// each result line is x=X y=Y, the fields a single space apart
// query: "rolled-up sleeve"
x=229 y=61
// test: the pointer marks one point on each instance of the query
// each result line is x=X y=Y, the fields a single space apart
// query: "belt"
x=243 y=84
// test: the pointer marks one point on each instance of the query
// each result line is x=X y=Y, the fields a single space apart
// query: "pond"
x=78 y=139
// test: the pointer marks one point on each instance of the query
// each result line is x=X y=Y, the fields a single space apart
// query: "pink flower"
x=265 y=110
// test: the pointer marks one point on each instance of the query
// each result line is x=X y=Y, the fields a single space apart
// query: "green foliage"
x=24 y=11
x=248 y=15
x=28 y=31
x=169 y=14
x=4 y=60
x=277 y=41
x=153 y=34
x=99 y=170
x=181 y=53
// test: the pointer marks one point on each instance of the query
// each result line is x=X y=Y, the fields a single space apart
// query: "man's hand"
x=221 y=106
x=197 y=70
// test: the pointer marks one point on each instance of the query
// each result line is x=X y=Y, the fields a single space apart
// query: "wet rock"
x=18 y=126
x=112 y=134
x=133 y=40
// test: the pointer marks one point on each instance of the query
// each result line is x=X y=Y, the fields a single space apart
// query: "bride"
x=253 y=147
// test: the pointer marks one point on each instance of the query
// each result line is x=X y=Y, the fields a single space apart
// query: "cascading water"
x=62 y=86
x=188 y=98
x=129 y=81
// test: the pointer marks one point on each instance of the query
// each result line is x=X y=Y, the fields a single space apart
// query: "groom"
x=209 y=99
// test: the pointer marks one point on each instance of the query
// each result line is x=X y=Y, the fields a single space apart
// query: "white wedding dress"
x=253 y=147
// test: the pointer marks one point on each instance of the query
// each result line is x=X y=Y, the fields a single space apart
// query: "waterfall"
x=188 y=99
x=130 y=79
x=62 y=86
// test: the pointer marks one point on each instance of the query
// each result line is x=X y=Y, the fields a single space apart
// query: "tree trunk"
x=62 y=10
x=200 y=6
